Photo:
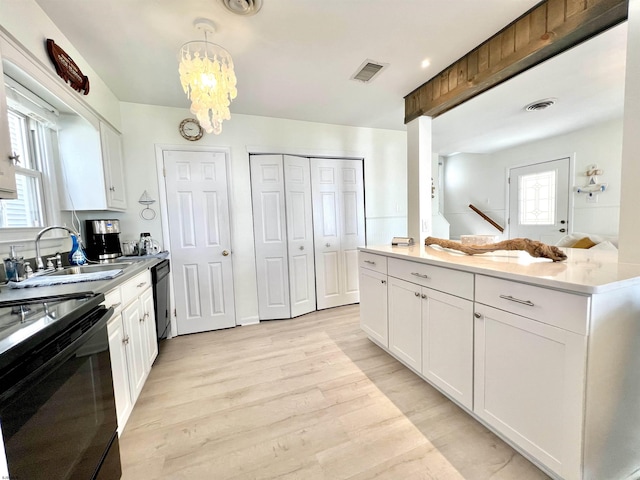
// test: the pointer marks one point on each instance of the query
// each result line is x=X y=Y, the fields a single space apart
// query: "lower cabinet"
x=529 y=386
x=132 y=341
x=405 y=323
x=373 y=305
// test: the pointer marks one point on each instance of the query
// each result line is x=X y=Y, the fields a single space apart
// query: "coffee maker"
x=103 y=239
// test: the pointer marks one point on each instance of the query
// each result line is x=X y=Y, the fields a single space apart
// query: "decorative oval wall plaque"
x=67 y=68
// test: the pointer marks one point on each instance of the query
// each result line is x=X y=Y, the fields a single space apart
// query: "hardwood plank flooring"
x=307 y=398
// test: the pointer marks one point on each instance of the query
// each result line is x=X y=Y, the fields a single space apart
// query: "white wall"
x=481 y=180
x=384 y=151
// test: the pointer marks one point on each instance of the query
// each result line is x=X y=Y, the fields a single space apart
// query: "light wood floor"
x=307 y=398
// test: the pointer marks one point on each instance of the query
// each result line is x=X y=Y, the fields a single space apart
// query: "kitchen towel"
x=48 y=280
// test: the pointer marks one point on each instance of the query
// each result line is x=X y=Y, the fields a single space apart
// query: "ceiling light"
x=541 y=104
x=208 y=79
x=425 y=63
x=243 y=7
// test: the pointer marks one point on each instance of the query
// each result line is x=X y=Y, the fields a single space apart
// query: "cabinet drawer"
x=560 y=309
x=113 y=299
x=445 y=280
x=133 y=287
x=377 y=263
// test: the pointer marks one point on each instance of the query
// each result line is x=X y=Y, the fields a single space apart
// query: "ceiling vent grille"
x=243 y=7
x=540 y=105
x=368 y=71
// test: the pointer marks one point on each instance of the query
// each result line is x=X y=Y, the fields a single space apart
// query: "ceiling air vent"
x=368 y=70
x=243 y=7
x=540 y=104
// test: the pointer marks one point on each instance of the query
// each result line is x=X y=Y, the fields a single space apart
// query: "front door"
x=539 y=201
x=198 y=210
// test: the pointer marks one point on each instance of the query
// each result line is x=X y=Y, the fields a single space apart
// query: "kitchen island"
x=544 y=354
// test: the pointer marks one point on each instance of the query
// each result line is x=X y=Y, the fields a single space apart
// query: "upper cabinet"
x=7 y=170
x=92 y=176
x=111 y=142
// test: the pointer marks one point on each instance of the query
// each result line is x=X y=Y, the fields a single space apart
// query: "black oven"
x=57 y=408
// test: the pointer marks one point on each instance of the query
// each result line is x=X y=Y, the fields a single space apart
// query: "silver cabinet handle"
x=416 y=274
x=140 y=285
x=369 y=262
x=417 y=294
x=112 y=188
x=477 y=315
x=125 y=340
x=115 y=305
x=383 y=281
x=424 y=296
x=517 y=300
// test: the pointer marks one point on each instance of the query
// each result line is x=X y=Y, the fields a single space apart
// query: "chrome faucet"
x=39 y=262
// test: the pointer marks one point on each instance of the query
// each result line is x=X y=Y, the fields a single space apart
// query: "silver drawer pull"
x=417 y=294
x=369 y=262
x=517 y=300
x=115 y=305
x=416 y=274
x=141 y=284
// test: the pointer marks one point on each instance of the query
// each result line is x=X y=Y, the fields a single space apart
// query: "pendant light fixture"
x=208 y=79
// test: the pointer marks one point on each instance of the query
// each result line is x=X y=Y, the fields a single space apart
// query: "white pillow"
x=606 y=245
x=571 y=239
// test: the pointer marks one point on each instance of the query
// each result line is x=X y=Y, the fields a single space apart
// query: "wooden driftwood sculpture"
x=532 y=247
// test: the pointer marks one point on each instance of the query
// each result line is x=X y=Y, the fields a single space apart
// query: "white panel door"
x=539 y=201
x=302 y=276
x=198 y=208
x=270 y=232
x=338 y=217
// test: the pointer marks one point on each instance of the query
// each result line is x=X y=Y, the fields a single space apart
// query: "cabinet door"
x=373 y=305
x=112 y=159
x=447 y=344
x=150 y=335
x=7 y=170
x=405 y=337
x=529 y=380
x=136 y=347
x=118 y=352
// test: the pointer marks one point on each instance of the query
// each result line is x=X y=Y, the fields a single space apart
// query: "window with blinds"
x=26 y=211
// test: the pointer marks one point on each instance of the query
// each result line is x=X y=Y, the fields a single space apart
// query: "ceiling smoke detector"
x=368 y=70
x=540 y=104
x=243 y=7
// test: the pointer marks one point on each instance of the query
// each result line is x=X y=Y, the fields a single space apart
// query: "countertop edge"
x=498 y=270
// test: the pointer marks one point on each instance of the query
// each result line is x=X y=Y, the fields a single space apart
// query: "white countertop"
x=584 y=271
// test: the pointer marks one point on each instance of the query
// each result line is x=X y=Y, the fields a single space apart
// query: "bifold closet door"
x=302 y=274
x=272 y=266
x=338 y=217
x=283 y=230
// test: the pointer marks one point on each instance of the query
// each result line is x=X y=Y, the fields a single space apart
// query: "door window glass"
x=537 y=198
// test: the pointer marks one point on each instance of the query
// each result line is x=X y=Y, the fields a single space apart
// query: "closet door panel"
x=302 y=276
x=269 y=222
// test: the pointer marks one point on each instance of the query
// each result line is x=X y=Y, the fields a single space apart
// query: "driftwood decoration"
x=532 y=247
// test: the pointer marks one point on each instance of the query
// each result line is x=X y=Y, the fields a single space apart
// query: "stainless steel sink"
x=103 y=267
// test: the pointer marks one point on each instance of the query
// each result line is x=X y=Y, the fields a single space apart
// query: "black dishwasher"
x=161 y=302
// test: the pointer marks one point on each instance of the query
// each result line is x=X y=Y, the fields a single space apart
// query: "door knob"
x=562 y=230
x=301 y=247
x=477 y=315
x=327 y=245
x=225 y=253
x=563 y=222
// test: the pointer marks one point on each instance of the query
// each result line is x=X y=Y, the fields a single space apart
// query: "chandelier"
x=208 y=79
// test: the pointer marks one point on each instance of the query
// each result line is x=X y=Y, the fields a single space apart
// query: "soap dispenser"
x=14 y=265
x=76 y=254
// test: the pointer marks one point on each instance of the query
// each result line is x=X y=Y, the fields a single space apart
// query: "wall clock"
x=190 y=129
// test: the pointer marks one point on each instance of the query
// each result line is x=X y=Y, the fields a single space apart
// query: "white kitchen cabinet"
x=447 y=344
x=119 y=370
x=373 y=305
x=7 y=169
x=132 y=341
x=405 y=322
x=92 y=164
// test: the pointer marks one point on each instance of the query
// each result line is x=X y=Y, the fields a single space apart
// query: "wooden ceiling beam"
x=548 y=29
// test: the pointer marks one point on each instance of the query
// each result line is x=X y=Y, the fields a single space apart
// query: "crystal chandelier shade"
x=208 y=79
